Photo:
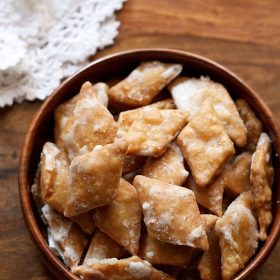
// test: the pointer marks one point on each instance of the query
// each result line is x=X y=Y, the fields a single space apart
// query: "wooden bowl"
x=118 y=65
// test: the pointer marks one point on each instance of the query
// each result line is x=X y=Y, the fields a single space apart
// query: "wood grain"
x=241 y=35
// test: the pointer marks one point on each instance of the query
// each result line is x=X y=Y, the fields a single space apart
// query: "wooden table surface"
x=242 y=35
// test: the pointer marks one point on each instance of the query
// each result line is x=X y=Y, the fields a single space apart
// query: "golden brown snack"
x=127 y=118
x=238 y=235
x=153 y=130
x=144 y=83
x=89 y=124
x=205 y=145
x=171 y=213
x=54 y=176
x=54 y=183
x=103 y=247
x=210 y=197
x=190 y=93
x=121 y=219
x=210 y=264
x=126 y=269
x=261 y=178
x=252 y=123
x=94 y=178
x=236 y=175
x=64 y=236
x=164 y=253
x=169 y=167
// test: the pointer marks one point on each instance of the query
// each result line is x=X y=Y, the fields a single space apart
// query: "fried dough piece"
x=54 y=176
x=126 y=269
x=127 y=118
x=238 y=235
x=169 y=167
x=94 y=178
x=236 y=175
x=158 y=252
x=210 y=264
x=121 y=219
x=64 y=111
x=252 y=123
x=261 y=178
x=171 y=213
x=163 y=253
x=144 y=83
x=190 y=93
x=103 y=247
x=54 y=182
x=210 y=197
x=89 y=125
x=205 y=145
x=68 y=239
x=153 y=130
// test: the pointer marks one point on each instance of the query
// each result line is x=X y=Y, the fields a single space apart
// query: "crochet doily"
x=43 y=41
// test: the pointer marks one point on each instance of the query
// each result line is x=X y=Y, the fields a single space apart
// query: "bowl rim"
x=50 y=260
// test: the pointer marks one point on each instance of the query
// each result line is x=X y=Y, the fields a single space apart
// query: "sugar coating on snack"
x=153 y=131
x=169 y=167
x=85 y=129
x=190 y=93
x=68 y=240
x=238 y=235
x=205 y=145
x=121 y=225
x=174 y=220
x=144 y=83
x=261 y=178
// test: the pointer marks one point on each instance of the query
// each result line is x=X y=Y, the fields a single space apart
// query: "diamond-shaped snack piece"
x=125 y=269
x=127 y=118
x=171 y=213
x=64 y=111
x=210 y=197
x=103 y=247
x=153 y=130
x=190 y=93
x=64 y=236
x=163 y=253
x=144 y=83
x=210 y=263
x=205 y=145
x=169 y=167
x=236 y=175
x=238 y=235
x=54 y=176
x=261 y=178
x=94 y=178
x=121 y=219
x=90 y=123
x=252 y=123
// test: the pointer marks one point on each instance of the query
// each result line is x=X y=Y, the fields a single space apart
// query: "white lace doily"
x=43 y=41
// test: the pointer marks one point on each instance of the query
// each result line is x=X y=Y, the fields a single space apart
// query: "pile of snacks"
x=165 y=187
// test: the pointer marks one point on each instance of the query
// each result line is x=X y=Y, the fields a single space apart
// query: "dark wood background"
x=242 y=35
